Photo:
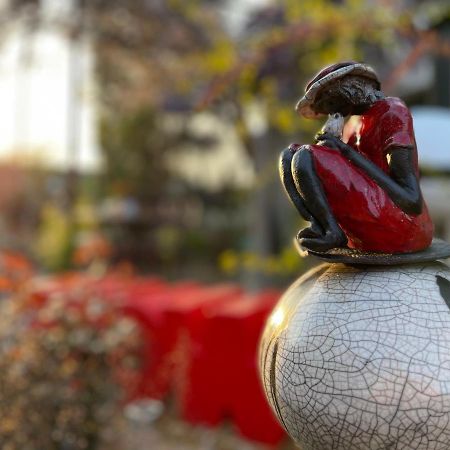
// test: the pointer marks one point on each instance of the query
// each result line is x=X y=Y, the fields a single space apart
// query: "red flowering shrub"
x=64 y=370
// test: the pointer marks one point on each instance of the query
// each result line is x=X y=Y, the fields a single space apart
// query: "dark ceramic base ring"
x=438 y=249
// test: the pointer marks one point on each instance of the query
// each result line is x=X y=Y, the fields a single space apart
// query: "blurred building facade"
x=48 y=89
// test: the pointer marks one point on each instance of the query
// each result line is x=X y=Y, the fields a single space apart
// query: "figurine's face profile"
x=349 y=95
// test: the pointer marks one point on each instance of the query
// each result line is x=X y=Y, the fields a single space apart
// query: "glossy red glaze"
x=370 y=219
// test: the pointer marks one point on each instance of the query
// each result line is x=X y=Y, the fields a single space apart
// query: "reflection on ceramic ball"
x=359 y=358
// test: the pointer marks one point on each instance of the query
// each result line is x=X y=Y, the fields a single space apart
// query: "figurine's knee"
x=290 y=151
x=302 y=161
x=286 y=155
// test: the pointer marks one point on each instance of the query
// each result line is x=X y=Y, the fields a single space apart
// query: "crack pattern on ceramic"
x=359 y=358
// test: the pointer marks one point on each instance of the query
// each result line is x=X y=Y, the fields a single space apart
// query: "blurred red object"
x=148 y=303
x=186 y=318
x=219 y=378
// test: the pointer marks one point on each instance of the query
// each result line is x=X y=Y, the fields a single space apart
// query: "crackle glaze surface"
x=359 y=358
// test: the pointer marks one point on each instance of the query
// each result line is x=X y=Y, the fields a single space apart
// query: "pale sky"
x=431 y=127
x=236 y=12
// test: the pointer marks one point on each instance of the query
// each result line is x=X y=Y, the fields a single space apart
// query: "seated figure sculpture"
x=361 y=191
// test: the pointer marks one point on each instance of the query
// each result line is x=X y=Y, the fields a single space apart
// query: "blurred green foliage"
x=54 y=238
x=160 y=63
x=179 y=58
x=134 y=145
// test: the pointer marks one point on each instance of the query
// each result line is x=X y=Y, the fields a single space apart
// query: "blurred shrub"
x=15 y=270
x=55 y=238
x=91 y=247
x=64 y=366
x=286 y=263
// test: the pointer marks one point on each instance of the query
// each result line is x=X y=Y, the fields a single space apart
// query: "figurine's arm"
x=401 y=184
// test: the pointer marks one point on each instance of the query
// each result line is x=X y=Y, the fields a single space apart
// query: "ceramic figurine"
x=361 y=191
x=356 y=355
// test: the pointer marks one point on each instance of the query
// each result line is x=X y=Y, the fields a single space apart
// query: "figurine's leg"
x=310 y=188
x=285 y=166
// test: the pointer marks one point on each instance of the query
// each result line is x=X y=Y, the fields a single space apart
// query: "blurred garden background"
x=140 y=207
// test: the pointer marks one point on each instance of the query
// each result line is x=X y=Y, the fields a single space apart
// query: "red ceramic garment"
x=370 y=219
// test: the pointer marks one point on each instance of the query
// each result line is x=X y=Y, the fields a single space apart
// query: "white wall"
x=35 y=95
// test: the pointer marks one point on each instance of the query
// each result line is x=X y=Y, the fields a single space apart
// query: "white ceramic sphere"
x=359 y=358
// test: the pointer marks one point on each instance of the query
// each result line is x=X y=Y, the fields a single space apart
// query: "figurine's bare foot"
x=312 y=232
x=331 y=239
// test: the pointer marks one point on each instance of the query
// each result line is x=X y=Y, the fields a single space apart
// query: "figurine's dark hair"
x=359 y=90
x=349 y=94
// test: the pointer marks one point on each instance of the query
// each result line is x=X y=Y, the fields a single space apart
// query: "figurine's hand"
x=329 y=140
x=319 y=137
